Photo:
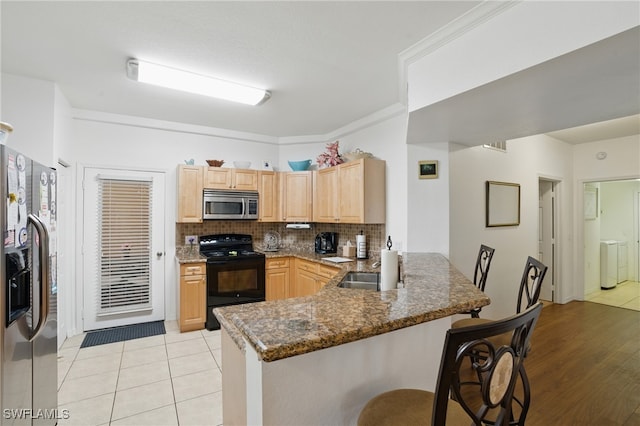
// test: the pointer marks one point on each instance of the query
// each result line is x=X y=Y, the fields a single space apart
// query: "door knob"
x=159 y=254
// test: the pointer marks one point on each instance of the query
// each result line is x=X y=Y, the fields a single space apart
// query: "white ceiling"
x=604 y=130
x=327 y=64
x=594 y=84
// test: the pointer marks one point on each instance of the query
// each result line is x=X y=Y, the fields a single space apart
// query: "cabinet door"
x=218 y=178
x=325 y=273
x=305 y=284
x=269 y=197
x=245 y=180
x=277 y=284
x=193 y=302
x=189 y=194
x=297 y=188
x=351 y=190
x=325 y=201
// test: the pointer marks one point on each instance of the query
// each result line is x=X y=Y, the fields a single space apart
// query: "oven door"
x=223 y=207
x=233 y=281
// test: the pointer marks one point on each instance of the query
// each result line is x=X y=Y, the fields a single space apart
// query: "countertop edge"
x=240 y=331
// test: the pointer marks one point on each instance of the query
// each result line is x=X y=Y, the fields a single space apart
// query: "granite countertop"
x=432 y=289
x=189 y=255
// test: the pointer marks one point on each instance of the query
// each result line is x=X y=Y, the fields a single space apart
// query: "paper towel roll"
x=388 y=269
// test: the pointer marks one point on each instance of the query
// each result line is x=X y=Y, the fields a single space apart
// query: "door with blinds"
x=123 y=247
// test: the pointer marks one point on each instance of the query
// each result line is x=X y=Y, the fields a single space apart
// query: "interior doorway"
x=547 y=235
x=613 y=215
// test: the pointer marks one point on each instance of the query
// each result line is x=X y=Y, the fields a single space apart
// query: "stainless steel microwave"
x=230 y=204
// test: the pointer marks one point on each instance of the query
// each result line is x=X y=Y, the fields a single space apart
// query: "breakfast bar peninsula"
x=319 y=359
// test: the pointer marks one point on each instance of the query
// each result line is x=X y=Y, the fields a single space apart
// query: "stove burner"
x=228 y=246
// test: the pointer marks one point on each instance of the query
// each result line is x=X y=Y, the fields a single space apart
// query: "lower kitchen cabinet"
x=192 y=309
x=277 y=278
x=310 y=277
x=325 y=273
x=294 y=277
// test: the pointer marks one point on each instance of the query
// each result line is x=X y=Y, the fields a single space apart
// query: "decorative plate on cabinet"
x=271 y=241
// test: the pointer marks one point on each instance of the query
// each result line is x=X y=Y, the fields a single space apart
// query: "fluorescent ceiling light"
x=186 y=81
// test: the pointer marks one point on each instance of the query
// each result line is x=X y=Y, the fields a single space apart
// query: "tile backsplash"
x=302 y=239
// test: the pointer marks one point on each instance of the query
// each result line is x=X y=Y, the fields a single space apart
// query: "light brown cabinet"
x=325 y=273
x=297 y=196
x=352 y=192
x=277 y=278
x=269 y=196
x=190 y=181
x=326 y=207
x=192 y=302
x=228 y=178
x=310 y=277
x=294 y=277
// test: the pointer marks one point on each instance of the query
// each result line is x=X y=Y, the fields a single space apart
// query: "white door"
x=123 y=247
x=547 y=236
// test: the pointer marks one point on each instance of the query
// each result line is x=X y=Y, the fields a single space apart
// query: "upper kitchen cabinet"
x=228 y=178
x=269 y=196
x=190 y=180
x=352 y=192
x=297 y=198
x=325 y=196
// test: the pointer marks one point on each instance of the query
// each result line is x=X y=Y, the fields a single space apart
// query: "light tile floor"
x=173 y=379
x=624 y=295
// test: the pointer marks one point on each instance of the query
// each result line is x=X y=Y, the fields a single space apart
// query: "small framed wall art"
x=503 y=204
x=428 y=169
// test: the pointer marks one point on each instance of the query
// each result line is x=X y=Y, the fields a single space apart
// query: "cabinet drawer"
x=192 y=269
x=308 y=266
x=282 y=262
x=327 y=271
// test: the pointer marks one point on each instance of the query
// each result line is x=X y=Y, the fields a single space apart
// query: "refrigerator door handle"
x=43 y=254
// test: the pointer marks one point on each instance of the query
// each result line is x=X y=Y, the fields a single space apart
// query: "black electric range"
x=235 y=272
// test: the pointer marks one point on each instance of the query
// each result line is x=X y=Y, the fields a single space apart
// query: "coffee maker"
x=327 y=242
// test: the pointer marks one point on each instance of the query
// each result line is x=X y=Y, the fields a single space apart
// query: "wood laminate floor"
x=584 y=366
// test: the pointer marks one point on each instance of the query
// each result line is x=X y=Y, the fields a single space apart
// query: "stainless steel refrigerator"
x=28 y=295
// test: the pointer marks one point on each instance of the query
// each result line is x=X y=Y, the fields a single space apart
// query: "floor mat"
x=120 y=334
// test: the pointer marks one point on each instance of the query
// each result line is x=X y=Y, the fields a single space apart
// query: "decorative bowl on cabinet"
x=298 y=166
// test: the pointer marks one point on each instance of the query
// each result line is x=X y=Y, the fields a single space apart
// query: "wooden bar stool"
x=483 y=263
x=456 y=401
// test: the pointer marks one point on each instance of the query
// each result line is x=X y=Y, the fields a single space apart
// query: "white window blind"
x=124 y=245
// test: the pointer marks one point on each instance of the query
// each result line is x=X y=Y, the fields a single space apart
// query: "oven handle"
x=224 y=262
x=217 y=262
x=244 y=206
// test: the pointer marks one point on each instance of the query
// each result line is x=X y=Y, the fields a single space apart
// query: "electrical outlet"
x=190 y=239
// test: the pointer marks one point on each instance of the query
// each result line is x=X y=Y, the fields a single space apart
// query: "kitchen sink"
x=361 y=280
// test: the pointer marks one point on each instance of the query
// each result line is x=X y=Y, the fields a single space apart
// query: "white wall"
x=28 y=105
x=109 y=144
x=386 y=141
x=526 y=161
x=618 y=218
x=428 y=215
x=65 y=229
x=525 y=34
x=622 y=162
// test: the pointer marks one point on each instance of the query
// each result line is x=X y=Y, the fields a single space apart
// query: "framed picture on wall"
x=590 y=203
x=503 y=204
x=428 y=169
